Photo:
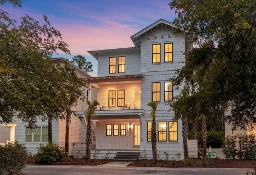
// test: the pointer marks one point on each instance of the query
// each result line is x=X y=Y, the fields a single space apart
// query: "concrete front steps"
x=127 y=156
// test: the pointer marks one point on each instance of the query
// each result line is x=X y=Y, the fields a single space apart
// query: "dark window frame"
x=122 y=129
x=168 y=52
x=149 y=131
x=111 y=98
x=156 y=53
x=167 y=91
x=114 y=129
x=153 y=92
x=108 y=129
x=173 y=131
x=121 y=64
x=120 y=98
x=158 y=131
x=112 y=66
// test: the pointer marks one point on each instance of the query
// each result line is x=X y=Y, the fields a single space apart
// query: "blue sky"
x=95 y=24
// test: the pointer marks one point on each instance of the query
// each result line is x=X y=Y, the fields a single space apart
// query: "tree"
x=228 y=79
x=82 y=63
x=153 y=105
x=88 y=115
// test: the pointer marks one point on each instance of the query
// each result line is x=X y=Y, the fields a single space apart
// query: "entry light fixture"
x=130 y=126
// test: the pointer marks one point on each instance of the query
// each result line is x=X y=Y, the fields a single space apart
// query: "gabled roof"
x=136 y=37
x=63 y=60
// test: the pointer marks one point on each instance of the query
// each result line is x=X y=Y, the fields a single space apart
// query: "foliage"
x=215 y=139
x=49 y=154
x=166 y=154
x=229 y=148
x=12 y=159
x=223 y=71
x=88 y=115
x=240 y=146
x=153 y=106
x=107 y=155
x=32 y=83
x=82 y=63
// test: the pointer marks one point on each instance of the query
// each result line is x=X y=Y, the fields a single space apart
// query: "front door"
x=136 y=136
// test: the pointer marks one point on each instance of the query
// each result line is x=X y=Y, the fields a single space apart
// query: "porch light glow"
x=130 y=126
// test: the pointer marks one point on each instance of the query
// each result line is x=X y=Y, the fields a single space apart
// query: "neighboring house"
x=128 y=79
x=33 y=139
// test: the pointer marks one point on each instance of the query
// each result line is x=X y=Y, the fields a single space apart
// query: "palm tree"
x=153 y=105
x=88 y=114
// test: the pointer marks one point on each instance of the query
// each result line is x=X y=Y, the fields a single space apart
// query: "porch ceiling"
x=118 y=114
x=115 y=78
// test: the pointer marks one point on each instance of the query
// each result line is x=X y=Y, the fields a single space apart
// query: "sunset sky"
x=95 y=24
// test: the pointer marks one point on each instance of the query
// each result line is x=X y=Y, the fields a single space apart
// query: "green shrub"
x=215 y=139
x=49 y=154
x=12 y=159
x=230 y=148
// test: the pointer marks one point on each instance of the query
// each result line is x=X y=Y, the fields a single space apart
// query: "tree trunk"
x=50 y=117
x=195 y=126
x=185 y=136
x=68 y=117
x=88 y=138
x=154 y=140
x=204 y=136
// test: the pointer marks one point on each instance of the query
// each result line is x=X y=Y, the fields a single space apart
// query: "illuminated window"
x=162 y=131
x=149 y=128
x=120 y=98
x=156 y=86
x=156 y=53
x=108 y=130
x=121 y=64
x=168 y=52
x=168 y=91
x=112 y=65
x=39 y=134
x=111 y=98
x=116 y=130
x=123 y=129
x=173 y=131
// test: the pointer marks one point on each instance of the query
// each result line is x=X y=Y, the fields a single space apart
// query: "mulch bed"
x=197 y=163
x=82 y=162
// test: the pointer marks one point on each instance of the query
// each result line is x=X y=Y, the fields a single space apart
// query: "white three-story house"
x=128 y=79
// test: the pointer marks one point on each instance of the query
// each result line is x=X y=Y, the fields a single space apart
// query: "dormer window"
x=112 y=65
x=168 y=52
x=121 y=64
x=156 y=53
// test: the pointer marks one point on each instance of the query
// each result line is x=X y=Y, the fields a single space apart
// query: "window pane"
x=173 y=131
x=162 y=126
x=162 y=131
x=123 y=129
x=149 y=127
x=173 y=126
x=116 y=130
x=112 y=61
x=44 y=134
x=28 y=133
x=108 y=130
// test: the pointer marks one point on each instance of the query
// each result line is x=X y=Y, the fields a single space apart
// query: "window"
x=39 y=134
x=156 y=53
x=167 y=91
x=173 y=131
x=156 y=86
x=112 y=65
x=120 y=98
x=149 y=128
x=121 y=64
x=108 y=130
x=123 y=129
x=116 y=130
x=162 y=131
x=111 y=98
x=168 y=52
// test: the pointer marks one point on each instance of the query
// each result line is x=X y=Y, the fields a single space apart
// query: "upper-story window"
x=111 y=98
x=156 y=91
x=121 y=64
x=120 y=98
x=112 y=65
x=156 y=53
x=168 y=90
x=168 y=52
